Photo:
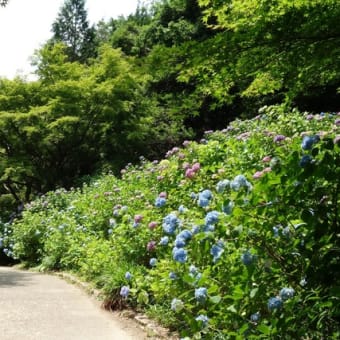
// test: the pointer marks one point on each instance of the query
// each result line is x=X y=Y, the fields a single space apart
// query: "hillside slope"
x=233 y=237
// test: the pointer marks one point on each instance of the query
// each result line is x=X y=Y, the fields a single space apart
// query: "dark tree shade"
x=72 y=28
x=3 y=3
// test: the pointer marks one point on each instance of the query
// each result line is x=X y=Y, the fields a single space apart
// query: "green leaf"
x=253 y=292
x=215 y=299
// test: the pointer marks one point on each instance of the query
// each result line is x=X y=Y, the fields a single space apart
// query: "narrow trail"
x=35 y=306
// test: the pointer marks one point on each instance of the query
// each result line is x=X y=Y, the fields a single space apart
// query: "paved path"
x=35 y=306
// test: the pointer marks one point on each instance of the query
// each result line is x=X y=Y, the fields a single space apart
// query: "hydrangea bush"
x=236 y=237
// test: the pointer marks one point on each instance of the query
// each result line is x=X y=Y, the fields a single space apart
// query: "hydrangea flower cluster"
x=124 y=291
x=170 y=223
x=202 y=318
x=277 y=301
x=309 y=141
x=247 y=258
x=286 y=293
x=190 y=172
x=221 y=186
x=212 y=217
x=216 y=251
x=239 y=182
x=201 y=294
x=179 y=255
x=177 y=305
x=274 y=303
x=204 y=198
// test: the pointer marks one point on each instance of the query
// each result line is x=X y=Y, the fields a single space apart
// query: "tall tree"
x=73 y=29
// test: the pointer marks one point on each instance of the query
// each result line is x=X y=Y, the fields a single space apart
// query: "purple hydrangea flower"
x=124 y=291
x=151 y=246
x=279 y=138
x=128 y=275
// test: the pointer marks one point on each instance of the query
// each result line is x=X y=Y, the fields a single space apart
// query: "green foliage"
x=270 y=47
x=261 y=251
x=76 y=119
x=72 y=28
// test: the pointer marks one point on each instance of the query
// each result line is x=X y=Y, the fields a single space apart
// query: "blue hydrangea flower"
x=177 y=305
x=286 y=232
x=202 y=318
x=303 y=282
x=164 y=241
x=286 y=293
x=179 y=242
x=228 y=209
x=124 y=291
x=274 y=303
x=305 y=160
x=216 y=251
x=128 y=275
x=203 y=202
x=309 y=141
x=181 y=209
x=193 y=270
x=180 y=255
x=160 y=202
x=185 y=234
x=193 y=195
x=238 y=182
x=172 y=276
x=208 y=228
x=276 y=231
x=153 y=262
x=255 y=317
x=222 y=185
x=170 y=223
x=201 y=294
x=211 y=217
x=247 y=258
x=206 y=194
x=195 y=229
x=204 y=198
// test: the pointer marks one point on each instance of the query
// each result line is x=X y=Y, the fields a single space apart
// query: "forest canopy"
x=138 y=85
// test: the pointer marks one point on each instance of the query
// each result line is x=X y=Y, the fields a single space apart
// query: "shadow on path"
x=10 y=277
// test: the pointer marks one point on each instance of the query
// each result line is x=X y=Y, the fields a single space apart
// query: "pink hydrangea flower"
x=151 y=246
x=189 y=173
x=258 y=174
x=266 y=159
x=152 y=225
x=138 y=218
x=196 y=167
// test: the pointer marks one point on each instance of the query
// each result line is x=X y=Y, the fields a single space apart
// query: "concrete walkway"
x=35 y=306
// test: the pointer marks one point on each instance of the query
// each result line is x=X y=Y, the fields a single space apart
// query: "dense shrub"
x=233 y=237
